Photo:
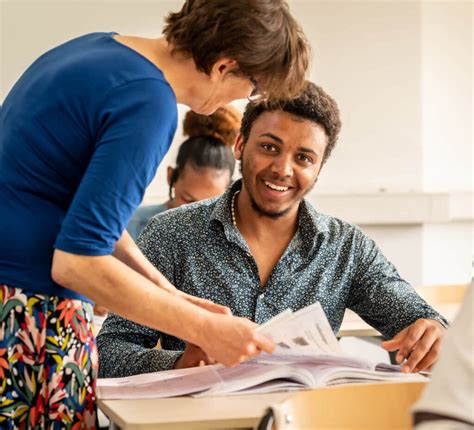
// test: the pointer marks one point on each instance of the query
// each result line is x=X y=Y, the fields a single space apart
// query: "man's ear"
x=169 y=175
x=222 y=67
x=238 y=147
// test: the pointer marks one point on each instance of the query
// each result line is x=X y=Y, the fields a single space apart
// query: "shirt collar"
x=311 y=225
x=221 y=211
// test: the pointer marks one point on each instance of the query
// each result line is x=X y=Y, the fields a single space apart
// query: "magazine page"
x=273 y=386
x=169 y=383
x=291 y=371
x=307 y=355
x=307 y=329
x=325 y=375
x=300 y=358
x=250 y=374
x=284 y=369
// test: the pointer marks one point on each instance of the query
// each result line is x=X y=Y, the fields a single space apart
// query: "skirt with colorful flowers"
x=48 y=362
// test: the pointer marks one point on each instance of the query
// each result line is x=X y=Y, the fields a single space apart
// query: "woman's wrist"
x=200 y=325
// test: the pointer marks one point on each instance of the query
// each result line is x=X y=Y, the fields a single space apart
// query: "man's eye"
x=305 y=158
x=268 y=147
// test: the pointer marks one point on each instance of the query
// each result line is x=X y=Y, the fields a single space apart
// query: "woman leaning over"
x=82 y=133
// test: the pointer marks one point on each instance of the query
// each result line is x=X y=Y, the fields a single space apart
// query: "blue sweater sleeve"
x=135 y=127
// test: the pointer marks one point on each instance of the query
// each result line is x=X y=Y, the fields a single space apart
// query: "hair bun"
x=223 y=124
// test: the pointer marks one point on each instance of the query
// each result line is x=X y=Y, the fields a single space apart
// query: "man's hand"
x=100 y=311
x=230 y=340
x=418 y=344
x=193 y=356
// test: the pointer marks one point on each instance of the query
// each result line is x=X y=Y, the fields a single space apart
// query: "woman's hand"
x=230 y=340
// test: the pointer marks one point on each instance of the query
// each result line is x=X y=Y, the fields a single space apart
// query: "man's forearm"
x=120 y=358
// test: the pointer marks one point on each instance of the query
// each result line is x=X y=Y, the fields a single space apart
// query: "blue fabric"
x=142 y=216
x=82 y=134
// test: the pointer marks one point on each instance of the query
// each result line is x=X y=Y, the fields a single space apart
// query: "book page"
x=301 y=358
x=156 y=385
x=307 y=355
x=251 y=373
x=307 y=329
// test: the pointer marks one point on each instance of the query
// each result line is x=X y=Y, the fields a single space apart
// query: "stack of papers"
x=307 y=355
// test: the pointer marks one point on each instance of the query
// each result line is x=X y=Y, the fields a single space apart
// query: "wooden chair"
x=350 y=407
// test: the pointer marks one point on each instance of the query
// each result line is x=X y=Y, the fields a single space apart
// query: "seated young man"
x=261 y=248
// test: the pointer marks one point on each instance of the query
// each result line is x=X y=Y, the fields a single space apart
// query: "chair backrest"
x=442 y=294
x=350 y=407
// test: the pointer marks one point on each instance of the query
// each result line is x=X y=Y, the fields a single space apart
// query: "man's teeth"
x=275 y=187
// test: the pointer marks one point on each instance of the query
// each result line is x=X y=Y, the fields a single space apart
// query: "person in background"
x=262 y=248
x=83 y=131
x=204 y=165
x=448 y=400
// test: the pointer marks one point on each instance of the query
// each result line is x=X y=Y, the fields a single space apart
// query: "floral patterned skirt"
x=48 y=362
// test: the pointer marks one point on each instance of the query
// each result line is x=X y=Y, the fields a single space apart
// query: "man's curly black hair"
x=312 y=104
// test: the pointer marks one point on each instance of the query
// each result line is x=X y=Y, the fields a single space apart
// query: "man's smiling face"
x=280 y=161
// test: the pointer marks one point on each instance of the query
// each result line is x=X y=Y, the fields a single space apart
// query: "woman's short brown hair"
x=260 y=35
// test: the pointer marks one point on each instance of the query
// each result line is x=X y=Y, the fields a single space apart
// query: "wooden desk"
x=244 y=412
x=353 y=325
x=185 y=413
x=234 y=412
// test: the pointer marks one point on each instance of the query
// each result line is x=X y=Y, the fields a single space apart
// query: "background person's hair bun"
x=223 y=124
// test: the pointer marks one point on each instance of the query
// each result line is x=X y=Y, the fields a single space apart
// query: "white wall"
x=367 y=55
x=401 y=244
x=447 y=114
x=29 y=27
x=397 y=69
x=446 y=253
x=446 y=95
x=401 y=72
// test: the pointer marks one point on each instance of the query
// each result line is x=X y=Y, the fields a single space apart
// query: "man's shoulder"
x=186 y=218
x=330 y=224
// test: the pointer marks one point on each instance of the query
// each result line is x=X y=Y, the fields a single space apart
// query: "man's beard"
x=262 y=212
x=258 y=209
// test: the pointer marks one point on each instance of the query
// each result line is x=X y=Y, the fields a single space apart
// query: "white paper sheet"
x=155 y=385
x=307 y=329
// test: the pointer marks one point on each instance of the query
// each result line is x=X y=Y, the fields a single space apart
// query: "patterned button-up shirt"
x=201 y=252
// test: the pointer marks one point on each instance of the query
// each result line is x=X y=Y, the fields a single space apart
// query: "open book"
x=308 y=355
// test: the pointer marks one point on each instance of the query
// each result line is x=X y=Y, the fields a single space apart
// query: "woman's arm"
x=113 y=284
x=127 y=251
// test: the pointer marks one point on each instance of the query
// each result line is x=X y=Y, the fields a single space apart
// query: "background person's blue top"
x=82 y=134
x=141 y=217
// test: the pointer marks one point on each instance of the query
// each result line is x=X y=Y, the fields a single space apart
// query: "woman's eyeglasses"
x=257 y=95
